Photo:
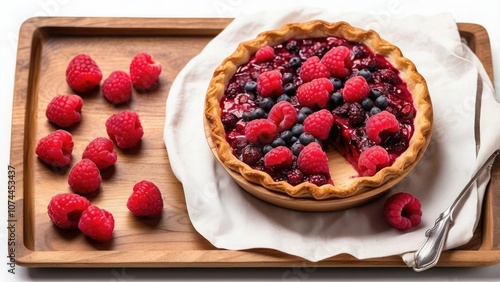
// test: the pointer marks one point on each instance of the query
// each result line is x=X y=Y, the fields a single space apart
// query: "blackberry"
x=317 y=179
x=294 y=176
x=251 y=155
x=356 y=114
x=229 y=121
x=343 y=110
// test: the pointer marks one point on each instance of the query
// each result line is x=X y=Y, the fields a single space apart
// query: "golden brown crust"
x=416 y=83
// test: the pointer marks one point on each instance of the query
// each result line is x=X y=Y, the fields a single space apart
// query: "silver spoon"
x=428 y=255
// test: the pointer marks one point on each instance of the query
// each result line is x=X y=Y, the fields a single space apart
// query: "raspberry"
x=251 y=154
x=260 y=131
x=83 y=74
x=269 y=83
x=295 y=176
x=146 y=200
x=56 y=148
x=101 y=152
x=312 y=160
x=338 y=62
x=125 y=129
x=144 y=72
x=265 y=53
x=380 y=125
x=65 y=209
x=372 y=159
x=65 y=110
x=117 y=88
x=284 y=115
x=97 y=224
x=279 y=157
x=84 y=177
x=403 y=211
x=312 y=68
x=316 y=92
x=356 y=89
x=318 y=124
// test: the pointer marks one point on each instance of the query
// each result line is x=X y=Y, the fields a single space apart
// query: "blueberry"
x=375 y=93
x=284 y=97
x=337 y=99
x=278 y=142
x=296 y=148
x=306 y=138
x=337 y=83
x=266 y=149
x=290 y=88
x=287 y=78
x=374 y=111
x=266 y=104
x=367 y=104
x=295 y=62
x=251 y=87
x=297 y=129
x=307 y=111
x=258 y=113
x=286 y=135
x=293 y=140
x=382 y=102
x=247 y=115
x=366 y=74
x=301 y=117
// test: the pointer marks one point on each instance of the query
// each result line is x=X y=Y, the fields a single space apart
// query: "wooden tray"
x=45 y=47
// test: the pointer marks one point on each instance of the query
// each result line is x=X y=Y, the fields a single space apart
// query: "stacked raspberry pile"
x=291 y=103
x=71 y=210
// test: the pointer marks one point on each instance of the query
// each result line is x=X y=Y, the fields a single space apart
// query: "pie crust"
x=352 y=186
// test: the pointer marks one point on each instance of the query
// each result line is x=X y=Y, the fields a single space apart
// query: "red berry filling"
x=326 y=91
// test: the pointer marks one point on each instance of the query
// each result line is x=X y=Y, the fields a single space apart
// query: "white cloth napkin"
x=230 y=218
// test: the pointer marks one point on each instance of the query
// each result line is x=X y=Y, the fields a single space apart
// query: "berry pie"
x=285 y=102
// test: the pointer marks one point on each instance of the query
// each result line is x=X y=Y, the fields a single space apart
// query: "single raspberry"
x=125 y=129
x=284 y=115
x=312 y=160
x=83 y=74
x=279 y=157
x=318 y=124
x=338 y=61
x=372 y=159
x=379 y=126
x=315 y=93
x=356 y=89
x=265 y=53
x=251 y=154
x=146 y=200
x=56 y=148
x=65 y=209
x=269 y=83
x=101 y=152
x=97 y=224
x=312 y=68
x=144 y=72
x=117 y=88
x=295 y=176
x=84 y=177
x=260 y=131
x=65 y=110
x=403 y=210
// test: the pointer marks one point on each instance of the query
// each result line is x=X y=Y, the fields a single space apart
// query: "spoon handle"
x=428 y=254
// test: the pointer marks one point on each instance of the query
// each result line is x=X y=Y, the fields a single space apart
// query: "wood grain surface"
x=46 y=45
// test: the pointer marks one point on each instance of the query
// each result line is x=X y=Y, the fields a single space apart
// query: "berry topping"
x=146 y=200
x=279 y=157
x=260 y=131
x=117 y=88
x=312 y=160
x=403 y=211
x=229 y=121
x=56 y=148
x=65 y=209
x=265 y=53
x=356 y=89
x=337 y=61
x=284 y=115
x=356 y=114
x=125 y=129
x=64 y=110
x=84 y=177
x=101 y=152
x=83 y=74
x=144 y=72
x=294 y=176
x=315 y=93
x=312 y=68
x=251 y=154
x=269 y=83
x=372 y=159
x=379 y=126
x=319 y=124
x=97 y=224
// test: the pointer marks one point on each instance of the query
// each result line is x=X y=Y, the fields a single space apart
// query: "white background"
x=14 y=13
